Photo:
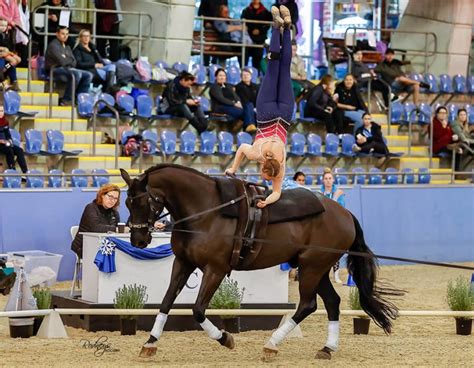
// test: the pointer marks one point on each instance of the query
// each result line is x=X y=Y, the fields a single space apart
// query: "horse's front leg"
x=210 y=282
x=179 y=276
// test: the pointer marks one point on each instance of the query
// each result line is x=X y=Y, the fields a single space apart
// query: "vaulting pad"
x=294 y=204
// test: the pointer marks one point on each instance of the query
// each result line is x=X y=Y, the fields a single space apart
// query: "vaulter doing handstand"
x=275 y=102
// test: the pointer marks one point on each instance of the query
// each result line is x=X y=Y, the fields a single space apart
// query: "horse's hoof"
x=269 y=351
x=324 y=353
x=227 y=340
x=148 y=350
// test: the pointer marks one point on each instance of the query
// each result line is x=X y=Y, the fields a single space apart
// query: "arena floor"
x=415 y=342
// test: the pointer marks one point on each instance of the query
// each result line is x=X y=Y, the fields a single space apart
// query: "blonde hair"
x=80 y=35
x=107 y=188
x=326 y=171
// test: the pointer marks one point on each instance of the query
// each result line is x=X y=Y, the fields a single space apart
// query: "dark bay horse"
x=206 y=242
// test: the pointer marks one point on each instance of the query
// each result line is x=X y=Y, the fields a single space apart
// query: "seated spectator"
x=9 y=12
x=350 y=101
x=177 y=100
x=247 y=92
x=391 y=71
x=301 y=84
x=369 y=137
x=320 y=104
x=7 y=147
x=444 y=139
x=60 y=55
x=8 y=60
x=363 y=74
x=257 y=32
x=460 y=127
x=224 y=100
x=228 y=31
x=99 y=216
x=210 y=8
x=88 y=58
x=299 y=177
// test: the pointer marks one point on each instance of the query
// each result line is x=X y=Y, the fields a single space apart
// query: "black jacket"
x=247 y=93
x=95 y=219
x=350 y=96
x=209 y=8
x=59 y=55
x=85 y=59
x=174 y=94
x=390 y=71
x=262 y=14
x=360 y=71
x=222 y=95
x=318 y=99
x=375 y=130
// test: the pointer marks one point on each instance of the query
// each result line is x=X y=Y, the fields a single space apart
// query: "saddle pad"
x=294 y=204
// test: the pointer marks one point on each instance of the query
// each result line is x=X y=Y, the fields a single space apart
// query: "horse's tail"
x=364 y=273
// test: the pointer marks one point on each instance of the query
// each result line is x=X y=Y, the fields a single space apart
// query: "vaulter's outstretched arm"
x=245 y=150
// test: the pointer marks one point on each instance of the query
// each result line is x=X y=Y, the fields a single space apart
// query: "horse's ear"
x=126 y=177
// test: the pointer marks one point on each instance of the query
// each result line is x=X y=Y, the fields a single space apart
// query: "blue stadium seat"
x=397 y=111
x=408 y=177
x=160 y=114
x=244 y=137
x=348 y=141
x=225 y=143
x=289 y=172
x=127 y=103
x=233 y=75
x=78 y=178
x=16 y=137
x=359 y=178
x=55 y=144
x=254 y=73
x=459 y=84
x=409 y=113
x=319 y=176
x=33 y=141
x=314 y=145
x=187 y=145
x=151 y=139
x=297 y=145
x=85 y=105
x=392 y=178
x=55 y=181
x=470 y=113
x=168 y=142
x=433 y=82
x=161 y=64
x=302 y=117
x=424 y=176
x=208 y=143
x=212 y=71
x=12 y=102
x=374 y=177
x=34 y=181
x=110 y=100
x=11 y=182
x=445 y=84
x=332 y=145
x=452 y=112
x=204 y=103
x=340 y=176
x=308 y=179
x=424 y=117
x=251 y=175
x=144 y=106
x=470 y=84
x=98 y=179
x=200 y=73
x=180 y=67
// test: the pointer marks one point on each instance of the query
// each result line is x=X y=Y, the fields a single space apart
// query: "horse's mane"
x=174 y=166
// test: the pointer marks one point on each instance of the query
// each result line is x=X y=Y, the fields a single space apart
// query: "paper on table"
x=39 y=20
x=64 y=18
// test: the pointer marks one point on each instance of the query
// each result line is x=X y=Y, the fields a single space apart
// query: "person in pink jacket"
x=9 y=11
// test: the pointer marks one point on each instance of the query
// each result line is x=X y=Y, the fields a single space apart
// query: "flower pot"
x=463 y=326
x=21 y=327
x=128 y=326
x=361 y=326
x=232 y=325
x=37 y=324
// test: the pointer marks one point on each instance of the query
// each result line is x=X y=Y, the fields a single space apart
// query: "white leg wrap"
x=157 y=329
x=333 y=335
x=211 y=330
x=279 y=335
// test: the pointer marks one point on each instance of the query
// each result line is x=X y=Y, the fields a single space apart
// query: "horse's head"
x=144 y=207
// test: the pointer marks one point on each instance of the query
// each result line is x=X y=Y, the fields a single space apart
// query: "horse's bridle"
x=153 y=211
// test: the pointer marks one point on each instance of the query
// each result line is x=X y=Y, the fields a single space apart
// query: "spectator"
x=444 y=139
x=224 y=100
x=330 y=190
x=247 y=92
x=8 y=60
x=7 y=147
x=300 y=82
x=369 y=137
x=350 y=101
x=363 y=74
x=88 y=58
x=22 y=39
x=391 y=72
x=228 y=31
x=460 y=127
x=9 y=12
x=299 y=177
x=60 y=55
x=320 y=104
x=53 y=23
x=257 y=32
x=108 y=24
x=210 y=8
x=99 y=216
x=177 y=100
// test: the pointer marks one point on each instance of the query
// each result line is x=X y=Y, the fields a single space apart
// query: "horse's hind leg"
x=179 y=276
x=308 y=282
x=331 y=302
x=210 y=282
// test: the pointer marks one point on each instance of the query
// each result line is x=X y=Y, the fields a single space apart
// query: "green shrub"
x=43 y=298
x=227 y=296
x=130 y=297
x=354 y=299
x=459 y=295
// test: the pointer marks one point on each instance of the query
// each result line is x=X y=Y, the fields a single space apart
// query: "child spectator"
x=369 y=137
x=7 y=147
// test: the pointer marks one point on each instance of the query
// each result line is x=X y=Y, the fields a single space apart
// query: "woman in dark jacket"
x=369 y=137
x=100 y=216
x=247 y=92
x=224 y=100
x=320 y=105
x=350 y=101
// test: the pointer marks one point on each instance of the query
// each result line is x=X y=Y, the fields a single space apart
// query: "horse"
x=206 y=242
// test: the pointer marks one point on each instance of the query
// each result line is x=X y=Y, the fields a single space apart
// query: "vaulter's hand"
x=261 y=204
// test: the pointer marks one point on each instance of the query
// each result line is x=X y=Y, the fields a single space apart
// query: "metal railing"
x=73 y=93
x=46 y=32
x=389 y=107
x=94 y=128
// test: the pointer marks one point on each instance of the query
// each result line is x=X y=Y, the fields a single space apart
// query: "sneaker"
x=251 y=128
x=63 y=102
x=395 y=98
x=424 y=85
